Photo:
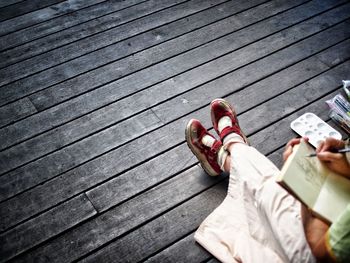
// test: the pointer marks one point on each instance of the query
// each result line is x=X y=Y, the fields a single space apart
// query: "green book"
x=326 y=193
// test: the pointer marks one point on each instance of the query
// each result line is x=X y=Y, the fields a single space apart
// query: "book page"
x=333 y=198
x=302 y=175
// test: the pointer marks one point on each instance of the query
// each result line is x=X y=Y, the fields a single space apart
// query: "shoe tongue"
x=208 y=141
x=224 y=122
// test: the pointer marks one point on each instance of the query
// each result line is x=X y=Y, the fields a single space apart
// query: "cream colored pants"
x=258 y=221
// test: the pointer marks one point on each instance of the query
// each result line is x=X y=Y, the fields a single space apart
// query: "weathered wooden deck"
x=95 y=96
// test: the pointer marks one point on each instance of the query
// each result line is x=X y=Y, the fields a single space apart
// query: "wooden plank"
x=19 y=109
x=293 y=76
x=83 y=30
x=163 y=51
x=75 y=154
x=38 y=81
x=39 y=229
x=44 y=14
x=100 y=40
x=4 y=3
x=197 y=97
x=102 y=201
x=185 y=250
x=108 y=73
x=121 y=219
x=118 y=108
x=121 y=88
x=56 y=249
x=25 y=7
x=22 y=178
x=75 y=181
x=163 y=230
x=60 y=23
x=21 y=207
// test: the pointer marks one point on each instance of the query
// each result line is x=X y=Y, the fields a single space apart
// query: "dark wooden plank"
x=112 y=138
x=44 y=14
x=16 y=180
x=162 y=230
x=185 y=250
x=103 y=201
x=63 y=109
x=50 y=97
x=20 y=108
x=4 y=3
x=100 y=40
x=292 y=76
x=108 y=252
x=290 y=55
x=39 y=229
x=51 y=26
x=170 y=48
x=83 y=30
x=25 y=7
x=121 y=219
x=127 y=85
x=75 y=180
x=109 y=73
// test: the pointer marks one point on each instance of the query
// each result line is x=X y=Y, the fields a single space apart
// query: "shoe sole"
x=234 y=114
x=200 y=156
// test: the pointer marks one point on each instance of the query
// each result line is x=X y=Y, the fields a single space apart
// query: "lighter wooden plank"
x=19 y=109
x=10 y=180
x=98 y=196
x=44 y=14
x=24 y=7
x=82 y=30
x=100 y=40
x=39 y=229
x=122 y=219
x=52 y=26
x=185 y=250
x=114 y=91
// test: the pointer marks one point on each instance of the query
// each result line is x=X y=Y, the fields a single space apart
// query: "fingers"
x=329 y=156
x=289 y=146
x=330 y=144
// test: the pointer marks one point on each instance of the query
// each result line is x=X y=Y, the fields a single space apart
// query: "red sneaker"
x=206 y=155
x=220 y=108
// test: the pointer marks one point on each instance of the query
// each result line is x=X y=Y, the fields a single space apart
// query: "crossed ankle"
x=232 y=138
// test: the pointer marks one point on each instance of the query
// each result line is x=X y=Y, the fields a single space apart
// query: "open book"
x=323 y=191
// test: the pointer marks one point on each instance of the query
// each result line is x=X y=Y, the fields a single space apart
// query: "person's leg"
x=267 y=205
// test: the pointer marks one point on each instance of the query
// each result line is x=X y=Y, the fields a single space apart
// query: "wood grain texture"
x=125 y=106
x=185 y=250
x=39 y=229
x=49 y=77
x=17 y=110
x=4 y=3
x=23 y=7
x=38 y=16
x=93 y=161
x=296 y=73
x=83 y=30
x=121 y=219
x=83 y=106
x=100 y=40
x=49 y=27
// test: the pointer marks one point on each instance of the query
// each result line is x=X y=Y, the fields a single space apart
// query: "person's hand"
x=289 y=146
x=336 y=162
